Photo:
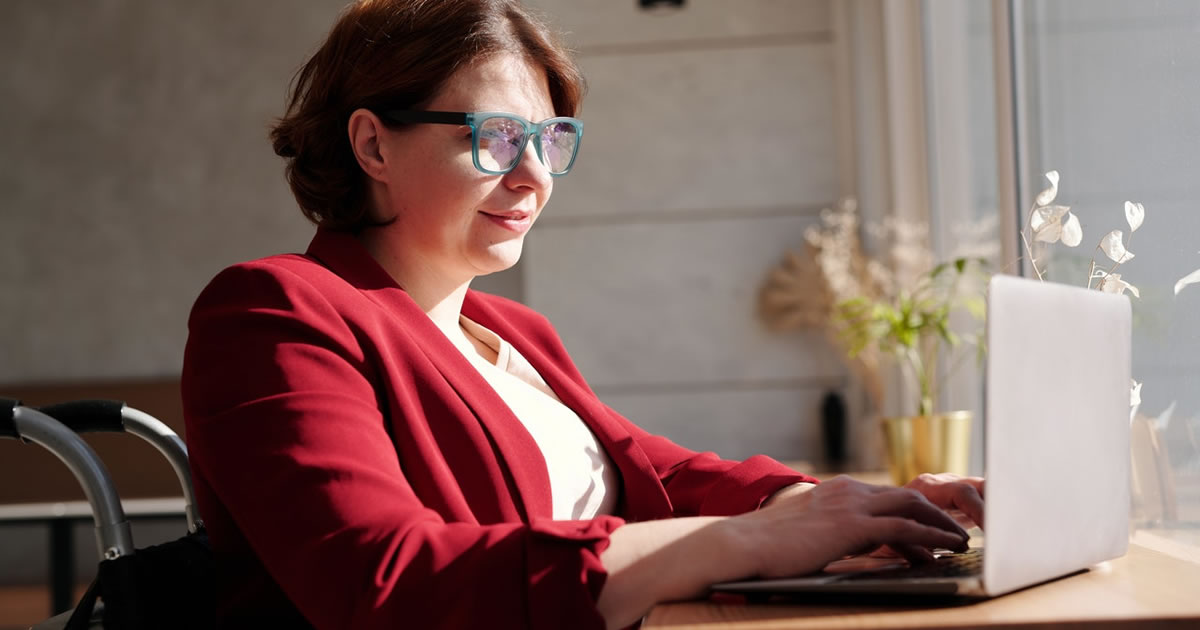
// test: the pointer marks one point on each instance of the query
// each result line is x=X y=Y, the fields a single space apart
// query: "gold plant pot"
x=919 y=444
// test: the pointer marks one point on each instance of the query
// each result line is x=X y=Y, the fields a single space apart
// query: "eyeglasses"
x=498 y=139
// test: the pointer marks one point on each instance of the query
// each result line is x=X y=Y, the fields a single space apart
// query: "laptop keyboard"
x=952 y=565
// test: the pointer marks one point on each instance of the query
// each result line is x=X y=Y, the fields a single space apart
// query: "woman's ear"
x=365 y=129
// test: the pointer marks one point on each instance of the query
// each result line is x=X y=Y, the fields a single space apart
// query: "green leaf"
x=976 y=306
x=917 y=320
x=927 y=305
x=886 y=313
x=946 y=334
x=980 y=342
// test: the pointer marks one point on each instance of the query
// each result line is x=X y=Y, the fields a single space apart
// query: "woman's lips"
x=515 y=221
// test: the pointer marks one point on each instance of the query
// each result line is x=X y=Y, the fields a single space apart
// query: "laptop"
x=1056 y=444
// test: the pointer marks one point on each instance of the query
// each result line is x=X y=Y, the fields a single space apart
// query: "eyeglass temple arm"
x=420 y=116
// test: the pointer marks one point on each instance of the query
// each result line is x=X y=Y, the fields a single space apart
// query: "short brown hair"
x=397 y=54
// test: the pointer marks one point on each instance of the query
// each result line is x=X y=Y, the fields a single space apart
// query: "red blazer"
x=350 y=462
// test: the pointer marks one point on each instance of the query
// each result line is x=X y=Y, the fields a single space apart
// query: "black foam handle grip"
x=88 y=416
x=8 y=427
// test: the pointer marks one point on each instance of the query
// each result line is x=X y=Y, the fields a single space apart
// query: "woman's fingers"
x=975 y=482
x=970 y=500
x=912 y=505
x=961 y=518
x=902 y=534
x=964 y=494
x=915 y=554
x=884 y=551
x=949 y=491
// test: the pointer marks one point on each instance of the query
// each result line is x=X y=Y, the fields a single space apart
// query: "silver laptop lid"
x=1057 y=431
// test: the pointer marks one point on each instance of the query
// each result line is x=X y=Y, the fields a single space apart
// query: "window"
x=1105 y=92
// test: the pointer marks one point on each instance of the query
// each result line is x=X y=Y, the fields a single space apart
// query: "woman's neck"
x=438 y=293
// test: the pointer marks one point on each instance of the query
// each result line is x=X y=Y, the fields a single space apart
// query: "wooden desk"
x=1143 y=589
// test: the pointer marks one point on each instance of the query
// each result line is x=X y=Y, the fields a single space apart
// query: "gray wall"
x=134 y=165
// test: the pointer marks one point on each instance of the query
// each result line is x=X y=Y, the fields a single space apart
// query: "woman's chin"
x=498 y=257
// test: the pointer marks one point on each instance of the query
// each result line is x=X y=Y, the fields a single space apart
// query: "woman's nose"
x=529 y=171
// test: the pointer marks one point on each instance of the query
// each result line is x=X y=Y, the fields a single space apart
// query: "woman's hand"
x=799 y=530
x=802 y=532
x=951 y=492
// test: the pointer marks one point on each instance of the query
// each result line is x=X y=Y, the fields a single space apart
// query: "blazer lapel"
x=343 y=254
x=645 y=497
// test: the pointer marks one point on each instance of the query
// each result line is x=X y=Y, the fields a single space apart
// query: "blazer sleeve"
x=703 y=484
x=284 y=425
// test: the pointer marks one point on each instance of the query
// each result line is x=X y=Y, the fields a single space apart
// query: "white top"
x=583 y=480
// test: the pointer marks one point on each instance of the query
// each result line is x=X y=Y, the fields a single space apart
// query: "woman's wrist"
x=672 y=559
x=787 y=491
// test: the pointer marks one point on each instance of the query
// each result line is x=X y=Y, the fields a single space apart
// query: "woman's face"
x=455 y=220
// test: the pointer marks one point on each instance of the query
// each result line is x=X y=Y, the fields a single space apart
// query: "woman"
x=376 y=446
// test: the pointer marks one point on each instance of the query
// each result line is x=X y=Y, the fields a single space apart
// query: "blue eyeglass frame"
x=474 y=119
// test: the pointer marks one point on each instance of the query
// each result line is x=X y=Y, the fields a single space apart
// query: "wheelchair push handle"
x=113 y=536
x=115 y=416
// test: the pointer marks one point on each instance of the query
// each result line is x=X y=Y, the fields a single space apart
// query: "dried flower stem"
x=1028 y=249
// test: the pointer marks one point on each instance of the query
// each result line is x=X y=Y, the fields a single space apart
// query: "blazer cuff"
x=744 y=487
x=562 y=557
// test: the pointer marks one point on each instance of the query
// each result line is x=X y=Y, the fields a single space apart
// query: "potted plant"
x=912 y=327
x=896 y=313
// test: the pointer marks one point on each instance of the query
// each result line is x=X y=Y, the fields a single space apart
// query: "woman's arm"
x=703 y=484
x=799 y=533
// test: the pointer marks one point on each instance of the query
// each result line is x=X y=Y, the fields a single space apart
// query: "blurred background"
x=134 y=165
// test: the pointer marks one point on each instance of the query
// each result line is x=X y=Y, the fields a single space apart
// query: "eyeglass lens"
x=501 y=141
